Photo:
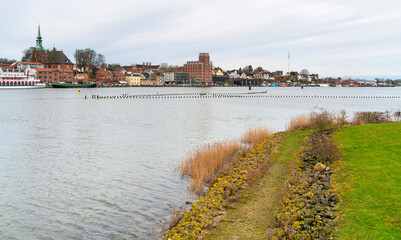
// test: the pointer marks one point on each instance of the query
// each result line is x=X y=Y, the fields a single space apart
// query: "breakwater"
x=226 y=95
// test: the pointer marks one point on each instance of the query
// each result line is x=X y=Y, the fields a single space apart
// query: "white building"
x=32 y=65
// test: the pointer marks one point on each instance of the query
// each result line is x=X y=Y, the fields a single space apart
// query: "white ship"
x=19 y=79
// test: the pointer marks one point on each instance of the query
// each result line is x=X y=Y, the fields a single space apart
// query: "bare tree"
x=88 y=57
x=304 y=74
x=27 y=54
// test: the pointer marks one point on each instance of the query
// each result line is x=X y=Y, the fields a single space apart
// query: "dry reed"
x=256 y=134
x=204 y=163
x=299 y=122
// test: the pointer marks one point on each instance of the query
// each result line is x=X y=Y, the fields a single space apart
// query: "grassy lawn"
x=369 y=180
x=254 y=214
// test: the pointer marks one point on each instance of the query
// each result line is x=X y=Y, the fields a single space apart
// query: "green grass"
x=369 y=180
x=254 y=214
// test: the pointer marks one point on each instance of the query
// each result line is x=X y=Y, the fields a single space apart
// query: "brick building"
x=200 y=71
x=51 y=75
x=104 y=77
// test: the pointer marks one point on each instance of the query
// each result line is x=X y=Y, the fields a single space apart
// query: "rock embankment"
x=309 y=201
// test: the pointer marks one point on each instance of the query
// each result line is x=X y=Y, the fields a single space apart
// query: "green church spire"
x=39 y=46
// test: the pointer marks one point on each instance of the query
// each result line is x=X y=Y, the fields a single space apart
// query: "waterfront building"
x=159 y=77
x=104 y=77
x=154 y=79
x=334 y=81
x=118 y=76
x=200 y=71
x=53 y=75
x=133 y=79
x=176 y=78
x=221 y=80
x=235 y=74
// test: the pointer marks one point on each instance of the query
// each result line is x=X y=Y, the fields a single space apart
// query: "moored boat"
x=71 y=85
x=19 y=79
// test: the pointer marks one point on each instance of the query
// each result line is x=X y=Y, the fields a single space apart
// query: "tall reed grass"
x=299 y=122
x=205 y=163
x=256 y=134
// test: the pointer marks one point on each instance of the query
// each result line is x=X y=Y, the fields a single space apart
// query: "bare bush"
x=341 y=119
x=397 y=116
x=324 y=149
x=362 y=118
x=322 y=120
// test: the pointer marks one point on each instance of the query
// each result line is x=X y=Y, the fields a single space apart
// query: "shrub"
x=397 y=116
x=341 y=119
x=361 y=118
x=323 y=149
x=322 y=120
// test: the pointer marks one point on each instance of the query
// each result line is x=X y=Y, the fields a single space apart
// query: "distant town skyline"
x=332 y=38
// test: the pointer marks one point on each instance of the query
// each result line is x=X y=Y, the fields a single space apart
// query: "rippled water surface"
x=100 y=169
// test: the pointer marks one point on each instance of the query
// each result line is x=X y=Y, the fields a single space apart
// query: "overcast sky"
x=358 y=38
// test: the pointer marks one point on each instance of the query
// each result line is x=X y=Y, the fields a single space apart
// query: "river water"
x=75 y=168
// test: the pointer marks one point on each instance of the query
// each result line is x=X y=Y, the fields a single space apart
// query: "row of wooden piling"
x=226 y=95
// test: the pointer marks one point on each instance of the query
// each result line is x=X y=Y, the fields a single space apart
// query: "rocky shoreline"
x=209 y=209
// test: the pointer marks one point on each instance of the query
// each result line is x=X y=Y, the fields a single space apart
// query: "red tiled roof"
x=52 y=69
x=31 y=63
x=82 y=75
x=8 y=67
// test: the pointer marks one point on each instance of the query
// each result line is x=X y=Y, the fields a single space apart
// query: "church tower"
x=39 y=46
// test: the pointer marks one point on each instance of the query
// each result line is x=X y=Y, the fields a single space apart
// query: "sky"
x=337 y=38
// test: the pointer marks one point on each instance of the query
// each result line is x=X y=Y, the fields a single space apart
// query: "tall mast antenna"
x=289 y=61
